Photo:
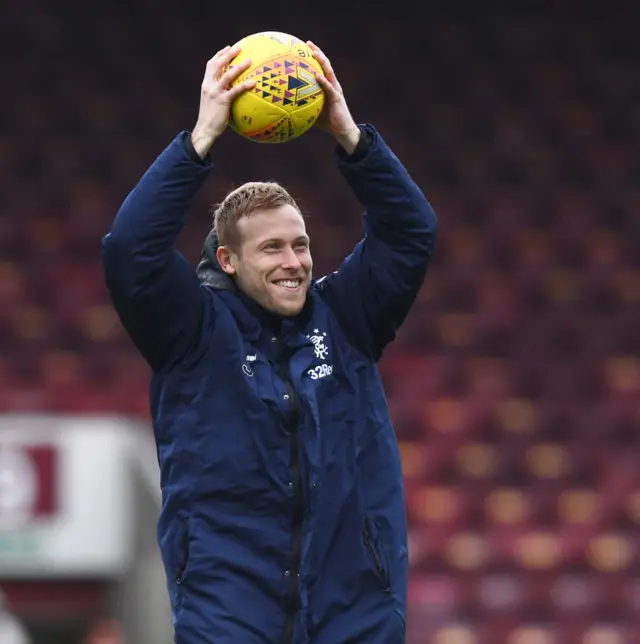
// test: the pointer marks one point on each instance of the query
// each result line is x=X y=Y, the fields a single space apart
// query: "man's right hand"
x=216 y=98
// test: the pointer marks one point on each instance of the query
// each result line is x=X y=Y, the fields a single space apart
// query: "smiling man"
x=283 y=515
x=264 y=245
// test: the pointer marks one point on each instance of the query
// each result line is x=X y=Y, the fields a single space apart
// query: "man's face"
x=273 y=264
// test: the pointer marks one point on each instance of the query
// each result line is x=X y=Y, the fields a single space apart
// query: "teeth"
x=288 y=283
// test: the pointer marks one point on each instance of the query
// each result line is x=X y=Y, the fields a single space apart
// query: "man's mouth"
x=289 y=284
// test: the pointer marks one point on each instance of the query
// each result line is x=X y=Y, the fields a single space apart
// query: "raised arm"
x=154 y=289
x=373 y=290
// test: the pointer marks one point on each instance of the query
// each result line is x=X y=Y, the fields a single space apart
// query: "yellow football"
x=287 y=99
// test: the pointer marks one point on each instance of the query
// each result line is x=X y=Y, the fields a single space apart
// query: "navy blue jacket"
x=283 y=517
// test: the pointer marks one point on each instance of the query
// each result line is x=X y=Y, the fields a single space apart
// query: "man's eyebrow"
x=304 y=238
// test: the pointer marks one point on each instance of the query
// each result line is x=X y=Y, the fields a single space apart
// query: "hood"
x=209 y=271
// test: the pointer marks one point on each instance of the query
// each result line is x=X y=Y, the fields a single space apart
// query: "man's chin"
x=288 y=309
x=289 y=312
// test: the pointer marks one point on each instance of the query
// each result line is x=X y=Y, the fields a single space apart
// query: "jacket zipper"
x=298 y=511
x=380 y=569
x=182 y=568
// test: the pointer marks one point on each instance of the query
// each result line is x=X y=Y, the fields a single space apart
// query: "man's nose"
x=290 y=259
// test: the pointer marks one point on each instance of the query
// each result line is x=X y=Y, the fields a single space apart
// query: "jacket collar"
x=253 y=320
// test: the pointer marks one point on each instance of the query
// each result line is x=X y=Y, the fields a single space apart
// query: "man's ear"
x=227 y=259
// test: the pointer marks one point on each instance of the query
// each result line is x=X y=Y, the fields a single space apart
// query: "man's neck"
x=269 y=319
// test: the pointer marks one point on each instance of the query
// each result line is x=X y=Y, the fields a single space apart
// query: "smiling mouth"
x=290 y=284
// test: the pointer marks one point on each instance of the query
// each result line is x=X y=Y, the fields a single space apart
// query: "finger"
x=233 y=72
x=222 y=58
x=325 y=63
x=230 y=53
x=214 y=59
x=238 y=89
x=326 y=85
x=222 y=51
x=226 y=59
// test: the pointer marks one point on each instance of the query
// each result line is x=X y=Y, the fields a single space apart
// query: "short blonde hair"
x=241 y=202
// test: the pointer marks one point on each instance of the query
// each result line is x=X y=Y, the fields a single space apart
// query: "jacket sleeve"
x=155 y=291
x=374 y=288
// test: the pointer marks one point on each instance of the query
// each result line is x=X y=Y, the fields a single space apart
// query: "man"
x=283 y=515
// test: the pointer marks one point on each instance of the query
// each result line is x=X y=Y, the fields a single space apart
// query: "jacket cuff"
x=367 y=137
x=191 y=151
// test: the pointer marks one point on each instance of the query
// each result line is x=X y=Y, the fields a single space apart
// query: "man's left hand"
x=335 y=117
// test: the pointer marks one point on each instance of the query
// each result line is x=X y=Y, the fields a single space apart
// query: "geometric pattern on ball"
x=287 y=99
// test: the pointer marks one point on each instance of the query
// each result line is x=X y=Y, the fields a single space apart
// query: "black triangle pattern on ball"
x=281 y=79
x=295 y=83
x=288 y=82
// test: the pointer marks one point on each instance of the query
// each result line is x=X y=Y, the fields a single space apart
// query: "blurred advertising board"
x=64 y=496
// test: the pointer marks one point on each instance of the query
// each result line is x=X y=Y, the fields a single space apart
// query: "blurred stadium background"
x=515 y=384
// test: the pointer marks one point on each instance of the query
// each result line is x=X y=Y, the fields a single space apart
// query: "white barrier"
x=65 y=495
